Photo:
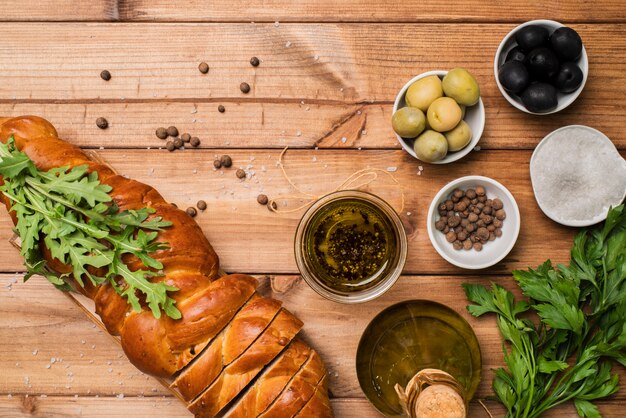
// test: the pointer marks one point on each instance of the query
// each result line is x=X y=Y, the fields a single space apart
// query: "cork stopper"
x=432 y=393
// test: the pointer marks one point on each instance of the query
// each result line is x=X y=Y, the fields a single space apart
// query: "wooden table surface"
x=329 y=73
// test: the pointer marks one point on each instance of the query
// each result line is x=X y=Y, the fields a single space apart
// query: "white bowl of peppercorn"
x=473 y=222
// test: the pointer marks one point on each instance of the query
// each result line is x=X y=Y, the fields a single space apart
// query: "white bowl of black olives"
x=541 y=67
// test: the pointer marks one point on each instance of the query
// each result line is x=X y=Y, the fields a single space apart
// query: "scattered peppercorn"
x=221 y=109
x=195 y=141
x=217 y=164
x=469 y=219
x=105 y=75
x=102 y=123
x=254 y=61
x=172 y=131
x=178 y=143
x=240 y=173
x=203 y=67
x=191 y=212
x=161 y=133
x=273 y=205
x=226 y=161
x=245 y=88
x=170 y=146
x=201 y=205
x=185 y=137
x=262 y=199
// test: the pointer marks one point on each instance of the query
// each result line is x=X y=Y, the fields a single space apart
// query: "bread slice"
x=272 y=382
x=319 y=404
x=235 y=338
x=299 y=390
x=236 y=376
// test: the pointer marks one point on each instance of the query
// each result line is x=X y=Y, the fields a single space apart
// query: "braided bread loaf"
x=231 y=347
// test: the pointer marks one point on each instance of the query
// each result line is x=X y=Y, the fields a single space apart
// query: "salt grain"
x=392 y=169
x=288 y=44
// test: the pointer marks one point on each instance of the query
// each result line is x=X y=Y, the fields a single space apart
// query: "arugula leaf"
x=80 y=225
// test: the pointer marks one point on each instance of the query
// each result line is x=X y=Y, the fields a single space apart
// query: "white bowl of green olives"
x=438 y=116
x=462 y=207
x=541 y=67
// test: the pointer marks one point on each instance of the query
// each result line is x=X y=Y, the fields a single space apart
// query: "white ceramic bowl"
x=493 y=251
x=474 y=116
x=508 y=43
x=594 y=135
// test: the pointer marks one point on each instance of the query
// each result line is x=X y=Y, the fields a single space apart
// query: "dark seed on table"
x=191 y=212
x=185 y=137
x=244 y=87
x=172 y=131
x=105 y=75
x=195 y=141
x=240 y=173
x=201 y=205
x=254 y=61
x=221 y=109
x=102 y=123
x=178 y=143
x=170 y=146
x=226 y=161
x=175 y=205
x=217 y=164
x=273 y=205
x=161 y=133
x=262 y=199
x=203 y=67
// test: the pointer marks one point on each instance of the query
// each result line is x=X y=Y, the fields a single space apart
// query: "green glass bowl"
x=408 y=337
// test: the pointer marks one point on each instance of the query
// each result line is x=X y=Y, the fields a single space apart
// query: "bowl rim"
x=446 y=189
x=583 y=62
x=451 y=157
x=438 y=304
x=401 y=248
x=582 y=223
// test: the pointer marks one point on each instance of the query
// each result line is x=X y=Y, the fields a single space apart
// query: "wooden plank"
x=29 y=311
x=91 y=407
x=249 y=238
x=368 y=10
x=58 y=10
x=276 y=125
x=347 y=63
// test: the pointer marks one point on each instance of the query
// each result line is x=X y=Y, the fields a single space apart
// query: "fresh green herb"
x=569 y=355
x=75 y=216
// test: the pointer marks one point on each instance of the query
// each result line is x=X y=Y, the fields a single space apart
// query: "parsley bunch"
x=75 y=216
x=569 y=355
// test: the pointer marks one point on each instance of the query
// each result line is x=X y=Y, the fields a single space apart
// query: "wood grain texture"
x=297 y=125
x=367 y=10
x=58 y=10
x=96 y=366
x=250 y=238
x=340 y=63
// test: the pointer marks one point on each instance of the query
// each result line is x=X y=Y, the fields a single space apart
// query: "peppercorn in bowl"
x=473 y=222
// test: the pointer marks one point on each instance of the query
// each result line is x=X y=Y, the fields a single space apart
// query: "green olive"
x=461 y=86
x=463 y=109
x=431 y=146
x=423 y=92
x=444 y=114
x=408 y=122
x=459 y=137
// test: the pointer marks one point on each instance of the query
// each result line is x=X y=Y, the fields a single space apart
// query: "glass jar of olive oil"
x=350 y=246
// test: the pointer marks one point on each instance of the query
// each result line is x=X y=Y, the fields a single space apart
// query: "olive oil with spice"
x=350 y=244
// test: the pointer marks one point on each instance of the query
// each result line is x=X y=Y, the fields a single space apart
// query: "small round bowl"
x=564 y=99
x=493 y=251
x=474 y=116
x=387 y=277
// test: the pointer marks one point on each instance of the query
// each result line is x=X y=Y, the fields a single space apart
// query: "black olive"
x=569 y=78
x=539 y=97
x=542 y=63
x=531 y=37
x=566 y=43
x=515 y=54
x=513 y=76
